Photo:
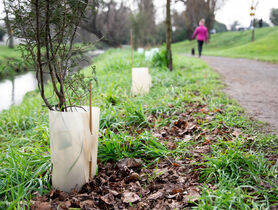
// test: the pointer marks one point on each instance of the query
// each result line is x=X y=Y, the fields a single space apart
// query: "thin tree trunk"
x=8 y=26
x=253 y=35
x=169 y=35
x=253 y=31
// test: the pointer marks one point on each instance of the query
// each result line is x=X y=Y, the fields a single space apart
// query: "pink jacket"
x=201 y=32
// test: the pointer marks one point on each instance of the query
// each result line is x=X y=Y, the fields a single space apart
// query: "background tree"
x=169 y=35
x=143 y=23
x=193 y=15
x=257 y=23
x=198 y=9
x=109 y=21
x=234 y=25
x=114 y=23
x=179 y=27
x=2 y=33
x=274 y=16
x=8 y=25
x=220 y=27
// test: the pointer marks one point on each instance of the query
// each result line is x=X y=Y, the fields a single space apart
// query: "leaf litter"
x=118 y=186
x=166 y=184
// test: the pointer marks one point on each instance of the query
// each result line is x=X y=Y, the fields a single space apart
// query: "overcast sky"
x=240 y=9
x=231 y=11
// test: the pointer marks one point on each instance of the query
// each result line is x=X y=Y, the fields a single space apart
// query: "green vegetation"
x=220 y=27
x=2 y=33
x=11 y=62
x=160 y=59
x=238 y=44
x=274 y=16
x=237 y=167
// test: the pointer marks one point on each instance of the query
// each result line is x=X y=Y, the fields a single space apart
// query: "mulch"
x=128 y=185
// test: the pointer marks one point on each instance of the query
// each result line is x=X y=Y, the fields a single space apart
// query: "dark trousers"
x=200 y=47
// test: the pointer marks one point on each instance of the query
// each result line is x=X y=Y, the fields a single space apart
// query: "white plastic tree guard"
x=141 y=81
x=73 y=147
x=140 y=50
x=149 y=54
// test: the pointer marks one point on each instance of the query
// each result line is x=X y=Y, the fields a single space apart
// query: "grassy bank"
x=11 y=62
x=239 y=171
x=238 y=44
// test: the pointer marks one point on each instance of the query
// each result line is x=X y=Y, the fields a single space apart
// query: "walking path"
x=253 y=84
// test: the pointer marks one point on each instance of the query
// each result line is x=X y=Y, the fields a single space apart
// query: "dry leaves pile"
x=169 y=184
x=127 y=185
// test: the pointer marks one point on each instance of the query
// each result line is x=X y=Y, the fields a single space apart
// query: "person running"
x=202 y=35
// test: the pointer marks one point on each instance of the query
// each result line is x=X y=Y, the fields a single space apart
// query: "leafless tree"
x=108 y=20
x=179 y=27
x=143 y=23
x=198 y=9
x=234 y=25
x=8 y=25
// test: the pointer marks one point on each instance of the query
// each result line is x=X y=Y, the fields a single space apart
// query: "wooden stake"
x=90 y=109
x=91 y=125
x=131 y=46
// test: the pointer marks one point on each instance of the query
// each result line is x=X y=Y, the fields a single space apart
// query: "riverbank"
x=214 y=156
x=18 y=85
x=11 y=62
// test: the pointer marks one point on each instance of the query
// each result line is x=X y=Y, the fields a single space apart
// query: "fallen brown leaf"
x=193 y=194
x=108 y=199
x=157 y=195
x=176 y=164
x=41 y=206
x=130 y=197
x=175 y=191
x=236 y=133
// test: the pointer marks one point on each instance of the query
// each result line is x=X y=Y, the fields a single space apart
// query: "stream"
x=13 y=90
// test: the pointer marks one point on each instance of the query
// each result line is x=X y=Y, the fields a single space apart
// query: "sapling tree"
x=47 y=29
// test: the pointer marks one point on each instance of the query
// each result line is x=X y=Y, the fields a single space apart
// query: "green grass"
x=235 y=167
x=8 y=52
x=11 y=62
x=238 y=44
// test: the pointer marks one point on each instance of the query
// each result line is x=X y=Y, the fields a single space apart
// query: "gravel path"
x=253 y=84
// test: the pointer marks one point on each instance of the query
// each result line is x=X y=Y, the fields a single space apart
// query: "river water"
x=13 y=90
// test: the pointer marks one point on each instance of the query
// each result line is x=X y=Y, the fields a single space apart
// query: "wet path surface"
x=253 y=84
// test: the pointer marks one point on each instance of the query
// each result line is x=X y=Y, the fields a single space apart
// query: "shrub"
x=2 y=33
x=160 y=59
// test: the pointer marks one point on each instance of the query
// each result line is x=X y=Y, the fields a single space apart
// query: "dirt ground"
x=253 y=84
